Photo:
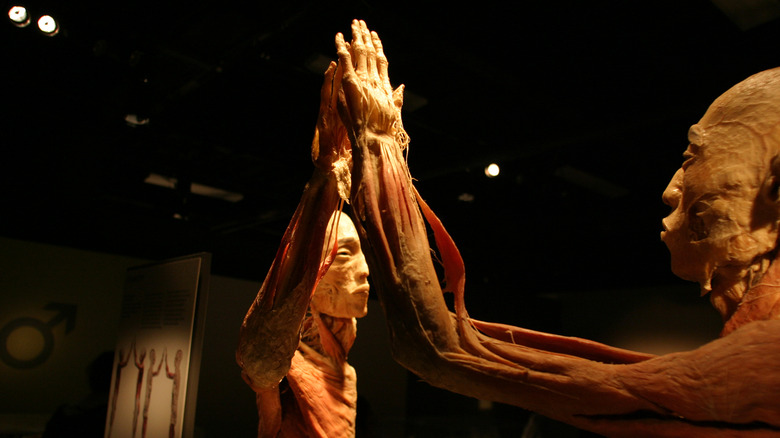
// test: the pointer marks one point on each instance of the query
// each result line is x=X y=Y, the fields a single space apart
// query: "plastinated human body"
x=722 y=233
x=297 y=333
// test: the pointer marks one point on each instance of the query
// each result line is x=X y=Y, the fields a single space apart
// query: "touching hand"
x=331 y=151
x=369 y=105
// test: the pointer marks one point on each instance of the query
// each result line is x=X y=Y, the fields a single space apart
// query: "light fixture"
x=19 y=16
x=492 y=170
x=195 y=188
x=466 y=197
x=134 y=120
x=48 y=25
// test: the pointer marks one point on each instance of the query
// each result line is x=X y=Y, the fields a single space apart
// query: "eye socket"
x=690 y=155
x=347 y=248
x=689 y=159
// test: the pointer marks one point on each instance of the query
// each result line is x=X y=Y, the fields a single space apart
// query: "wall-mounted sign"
x=15 y=357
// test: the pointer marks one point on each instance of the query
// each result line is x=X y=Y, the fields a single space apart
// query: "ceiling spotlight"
x=19 y=16
x=492 y=170
x=48 y=25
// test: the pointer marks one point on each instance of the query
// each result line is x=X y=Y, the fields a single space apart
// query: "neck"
x=329 y=335
x=751 y=295
x=730 y=283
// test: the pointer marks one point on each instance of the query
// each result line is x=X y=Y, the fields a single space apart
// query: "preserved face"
x=343 y=291
x=721 y=222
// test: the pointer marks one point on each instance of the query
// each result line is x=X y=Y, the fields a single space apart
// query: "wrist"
x=373 y=141
x=392 y=133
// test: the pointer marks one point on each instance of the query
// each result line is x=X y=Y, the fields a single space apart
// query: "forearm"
x=270 y=332
x=389 y=221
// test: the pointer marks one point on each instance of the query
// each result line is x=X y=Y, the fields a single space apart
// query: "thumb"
x=344 y=110
x=398 y=96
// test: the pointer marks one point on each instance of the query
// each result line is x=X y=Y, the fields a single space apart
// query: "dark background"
x=584 y=105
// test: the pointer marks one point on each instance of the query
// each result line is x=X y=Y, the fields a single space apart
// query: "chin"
x=361 y=312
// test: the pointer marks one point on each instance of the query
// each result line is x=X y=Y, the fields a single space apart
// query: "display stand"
x=154 y=382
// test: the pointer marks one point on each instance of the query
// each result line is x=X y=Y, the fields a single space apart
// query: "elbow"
x=261 y=371
x=423 y=359
x=264 y=352
x=262 y=375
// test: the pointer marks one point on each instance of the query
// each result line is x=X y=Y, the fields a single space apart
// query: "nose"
x=362 y=268
x=673 y=192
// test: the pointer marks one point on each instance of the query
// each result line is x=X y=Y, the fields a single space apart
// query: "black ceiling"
x=585 y=105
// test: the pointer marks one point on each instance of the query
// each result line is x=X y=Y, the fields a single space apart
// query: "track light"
x=48 y=25
x=492 y=170
x=19 y=16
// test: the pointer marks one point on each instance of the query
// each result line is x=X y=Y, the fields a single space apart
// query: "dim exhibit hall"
x=390 y=219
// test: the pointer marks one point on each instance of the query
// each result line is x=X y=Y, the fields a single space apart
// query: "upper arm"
x=269 y=410
x=730 y=380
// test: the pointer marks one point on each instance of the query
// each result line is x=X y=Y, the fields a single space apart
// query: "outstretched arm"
x=589 y=385
x=270 y=332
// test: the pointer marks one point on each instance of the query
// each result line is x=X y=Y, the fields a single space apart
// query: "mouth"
x=361 y=291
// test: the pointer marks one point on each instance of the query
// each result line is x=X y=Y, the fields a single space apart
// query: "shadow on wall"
x=87 y=417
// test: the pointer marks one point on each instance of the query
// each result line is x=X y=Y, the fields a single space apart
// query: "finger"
x=343 y=108
x=327 y=86
x=370 y=52
x=381 y=61
x=359 y=50
x=345 y=57
x=336 y=85
x=350 y=87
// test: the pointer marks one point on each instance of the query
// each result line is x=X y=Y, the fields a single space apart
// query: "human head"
x=343 y=291
x=724 y=223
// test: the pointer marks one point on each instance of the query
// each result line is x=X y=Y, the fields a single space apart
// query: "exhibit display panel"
x=158 y=351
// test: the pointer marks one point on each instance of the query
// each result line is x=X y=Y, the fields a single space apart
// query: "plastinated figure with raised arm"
x=296 y=335
x=722 y=233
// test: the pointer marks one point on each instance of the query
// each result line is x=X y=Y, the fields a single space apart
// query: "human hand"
x=368 y=104
x=330 y=136
x=331 y=151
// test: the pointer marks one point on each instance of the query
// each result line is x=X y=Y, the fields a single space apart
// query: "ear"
x=766 y=209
